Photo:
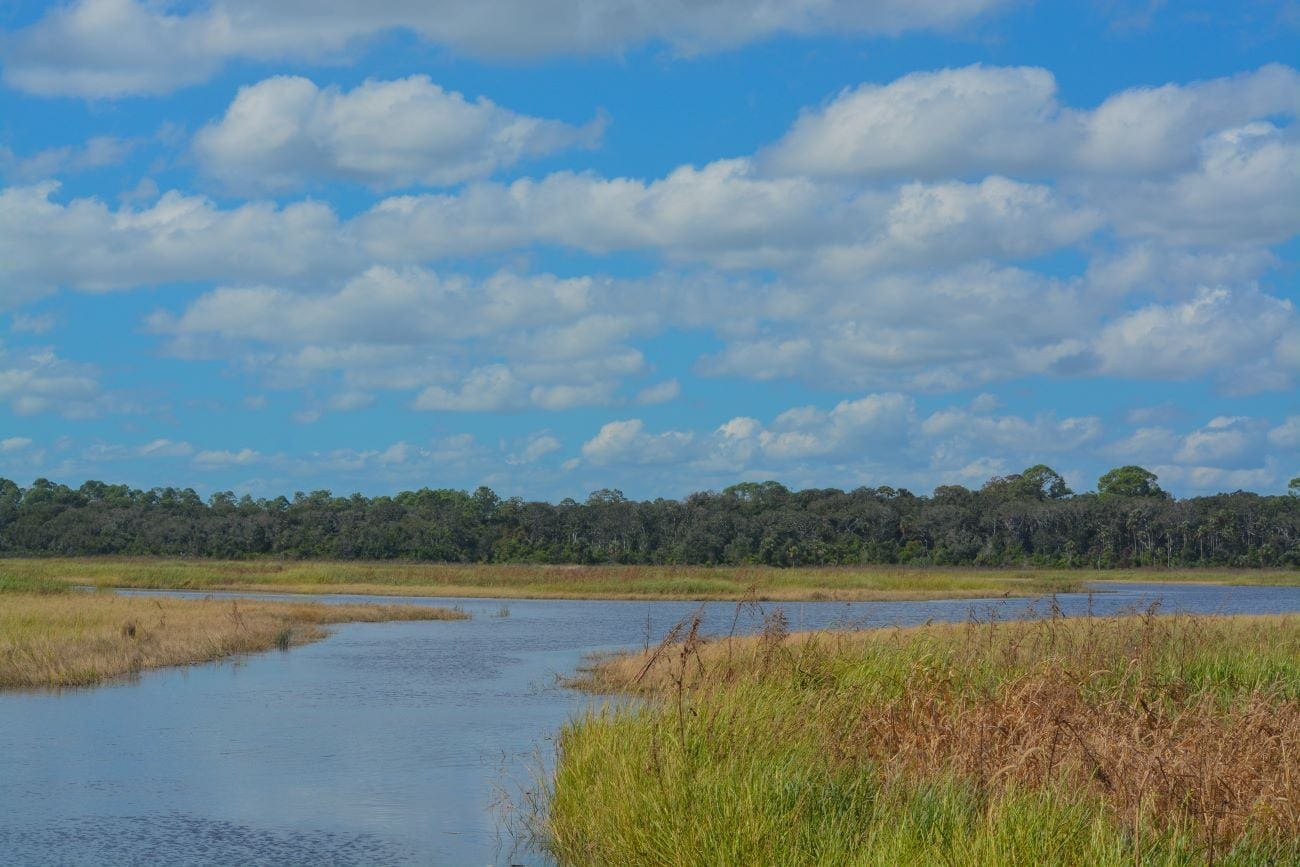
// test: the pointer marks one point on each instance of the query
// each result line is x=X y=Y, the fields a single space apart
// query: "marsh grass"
x=53 y=639
x=1132 y=740
x=591 y=582
x=844 y=583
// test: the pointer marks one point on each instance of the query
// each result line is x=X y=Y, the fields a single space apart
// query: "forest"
x=1025 y=519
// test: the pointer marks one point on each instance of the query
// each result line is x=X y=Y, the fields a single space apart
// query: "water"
x=384 y=744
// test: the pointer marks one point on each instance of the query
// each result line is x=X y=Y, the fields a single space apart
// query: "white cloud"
x=877 y=420
x=1287 y=434
x=1245 y=189
x=14 y=444
x=217 y=458
x=723 y=208
x=165 y=448
x=660 y=392
x=484 y=389
x=117 y=47
x=626 y=442
x=39 y=381
x=958 y=434
x=980 y=119
x=930 y=124
x=1195 y=479
x=886 y=330
x=1146 y=445
x=504 y=342
x=537 y=446
x=1222 y=442
x=286 y=133
x=95 y=153
x=45 y=244
x=874 y=439
x=1236 y=336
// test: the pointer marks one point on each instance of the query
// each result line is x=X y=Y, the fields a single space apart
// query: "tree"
x=1129 y=481
x=1294 y=487
x=1046 y=482
x=1039 y=482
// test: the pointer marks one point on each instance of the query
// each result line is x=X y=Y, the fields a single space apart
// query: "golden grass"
x=79 y=639
x=1137 y=739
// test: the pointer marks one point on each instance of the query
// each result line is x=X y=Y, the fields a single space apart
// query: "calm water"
x=383 y=744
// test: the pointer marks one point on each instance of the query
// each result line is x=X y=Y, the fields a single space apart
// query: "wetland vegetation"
x=1138 y=739
x=541 y=581
x=52 y=636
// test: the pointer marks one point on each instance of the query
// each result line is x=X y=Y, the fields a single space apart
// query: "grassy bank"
x=1141 y=740
x=53 y=637
x=591 y=582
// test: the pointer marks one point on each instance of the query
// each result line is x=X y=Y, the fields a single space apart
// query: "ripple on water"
x=193 y=841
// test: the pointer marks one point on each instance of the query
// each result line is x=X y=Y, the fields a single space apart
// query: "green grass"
x=1142 y=740
x=593 y=582
x=24 y=582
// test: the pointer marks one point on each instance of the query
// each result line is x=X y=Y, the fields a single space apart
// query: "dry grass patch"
x=1142 y=739
x=58 y=639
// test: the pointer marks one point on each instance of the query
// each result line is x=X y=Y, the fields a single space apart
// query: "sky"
x=553 y=246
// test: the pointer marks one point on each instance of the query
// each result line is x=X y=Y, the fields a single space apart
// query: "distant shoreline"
x=519 y=581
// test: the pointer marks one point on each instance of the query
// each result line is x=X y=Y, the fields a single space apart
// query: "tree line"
x=1030 y=518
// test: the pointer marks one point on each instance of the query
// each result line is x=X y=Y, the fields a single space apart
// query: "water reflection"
x=385 y=744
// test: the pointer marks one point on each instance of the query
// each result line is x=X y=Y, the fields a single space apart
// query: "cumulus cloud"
x=711 y=212
x=1223 y=442
x=118 y=47
x=982 y=119
x=46 y=244
x=932 y=331
x=1245 y=189
x=1240 y=337
x=504 y=342
x=39 y=381
x=286 y=133
x=626 y=442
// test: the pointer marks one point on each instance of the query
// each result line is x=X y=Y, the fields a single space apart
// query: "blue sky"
x=554 y=247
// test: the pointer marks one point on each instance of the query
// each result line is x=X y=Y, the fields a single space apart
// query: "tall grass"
x=79 y=639
x=1136 y=740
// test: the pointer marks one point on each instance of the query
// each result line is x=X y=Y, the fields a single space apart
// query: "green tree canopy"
x=1294 y=487
x=1129 y=481
x=1039 y=482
